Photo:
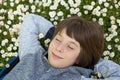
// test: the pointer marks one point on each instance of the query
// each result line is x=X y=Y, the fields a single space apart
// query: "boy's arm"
x=31 y=27
x=109 y=70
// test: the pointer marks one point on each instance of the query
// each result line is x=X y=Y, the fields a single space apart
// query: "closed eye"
x=58 y=40
x=70 y=47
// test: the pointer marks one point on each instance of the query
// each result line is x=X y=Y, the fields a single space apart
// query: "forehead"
x=68 y=32
x=67 y=39
x=72 y=30
x=64 y=34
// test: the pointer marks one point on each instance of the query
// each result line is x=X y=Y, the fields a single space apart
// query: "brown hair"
x=90 y=36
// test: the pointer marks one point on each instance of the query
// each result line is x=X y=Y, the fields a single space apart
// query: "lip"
x=56 y=56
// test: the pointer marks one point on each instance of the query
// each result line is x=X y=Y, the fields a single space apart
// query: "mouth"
x=56 y=56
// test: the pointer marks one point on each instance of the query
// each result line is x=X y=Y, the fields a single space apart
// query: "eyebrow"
x=59 y=33
x=74 y=43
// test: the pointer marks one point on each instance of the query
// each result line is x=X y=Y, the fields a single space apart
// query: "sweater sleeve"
x=108 y=69
x=31 y=27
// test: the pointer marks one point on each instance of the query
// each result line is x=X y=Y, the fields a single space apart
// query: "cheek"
x=72 y=55
x=52 y=45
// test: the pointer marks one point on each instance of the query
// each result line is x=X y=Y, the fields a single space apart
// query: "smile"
x=56 y=56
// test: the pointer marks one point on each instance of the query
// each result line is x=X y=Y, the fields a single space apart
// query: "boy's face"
x=63 y=50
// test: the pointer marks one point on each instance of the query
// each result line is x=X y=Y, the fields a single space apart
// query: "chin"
x=59 y=67
x=55 y=65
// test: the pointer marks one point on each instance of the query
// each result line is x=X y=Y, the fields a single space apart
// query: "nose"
x=60 y=48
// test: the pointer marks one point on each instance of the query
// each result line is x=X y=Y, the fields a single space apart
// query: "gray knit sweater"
x=33 y=64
